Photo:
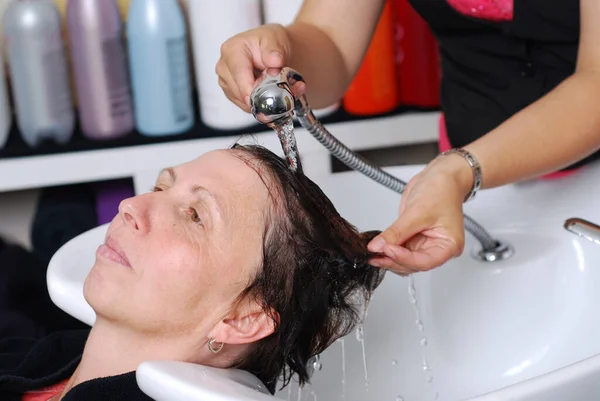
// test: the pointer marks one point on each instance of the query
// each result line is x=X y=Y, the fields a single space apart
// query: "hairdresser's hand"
x=430 y=229
x=246 y=55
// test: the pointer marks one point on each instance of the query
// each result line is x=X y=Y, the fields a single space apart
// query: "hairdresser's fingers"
x=401 y=230
x=230 y=88
x=430 y=254
x=236 y=68
x=226 y=81
x=254 y=51
x=386 y=263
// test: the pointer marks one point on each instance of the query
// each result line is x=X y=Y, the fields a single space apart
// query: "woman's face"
x=175 y=259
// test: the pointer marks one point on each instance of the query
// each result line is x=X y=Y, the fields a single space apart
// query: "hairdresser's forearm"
x=329 y=39
x=559 y=129
x=321 y=64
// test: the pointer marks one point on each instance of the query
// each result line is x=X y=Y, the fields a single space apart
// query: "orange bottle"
x=374 y=89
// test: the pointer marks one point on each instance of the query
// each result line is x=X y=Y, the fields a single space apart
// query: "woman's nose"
x=134 y=212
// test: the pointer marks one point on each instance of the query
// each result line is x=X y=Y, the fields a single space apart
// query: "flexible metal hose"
x=358 y=163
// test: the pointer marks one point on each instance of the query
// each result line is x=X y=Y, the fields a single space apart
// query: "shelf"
x=36 y=171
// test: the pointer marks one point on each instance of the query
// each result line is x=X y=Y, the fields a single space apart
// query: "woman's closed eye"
x=195 y=216
x=193 y=213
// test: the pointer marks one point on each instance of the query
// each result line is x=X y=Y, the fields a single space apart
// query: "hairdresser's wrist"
x=454 y=167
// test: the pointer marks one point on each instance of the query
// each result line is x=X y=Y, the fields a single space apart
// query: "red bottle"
x=417 y=58
x=374 y=89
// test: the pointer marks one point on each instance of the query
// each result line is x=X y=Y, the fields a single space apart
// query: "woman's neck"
x=112 y=350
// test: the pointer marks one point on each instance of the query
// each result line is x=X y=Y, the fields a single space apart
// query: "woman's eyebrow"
x=171 y=172
x=206 y=194
x=199 y=191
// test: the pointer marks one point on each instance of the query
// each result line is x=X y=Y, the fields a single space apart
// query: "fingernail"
x=377 y=244
x=277 y=55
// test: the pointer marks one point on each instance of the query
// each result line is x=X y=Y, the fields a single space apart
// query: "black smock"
x=492 y=70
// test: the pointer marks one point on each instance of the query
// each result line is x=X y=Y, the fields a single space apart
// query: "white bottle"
x=3 y=5
x=38 y=71
x=5 y=112
x=284 y=12
x=212 y=23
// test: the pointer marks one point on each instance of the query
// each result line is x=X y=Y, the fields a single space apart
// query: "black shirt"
x=30 y=364
x=492 y=70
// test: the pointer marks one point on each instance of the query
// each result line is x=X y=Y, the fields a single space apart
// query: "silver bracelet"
x=475 y=168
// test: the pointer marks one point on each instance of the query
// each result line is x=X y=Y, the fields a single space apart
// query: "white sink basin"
x=525 y=329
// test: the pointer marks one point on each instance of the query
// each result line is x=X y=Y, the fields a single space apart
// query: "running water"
x=412 y=293
x=285 y=132
x=360 y=337
x=341 y=341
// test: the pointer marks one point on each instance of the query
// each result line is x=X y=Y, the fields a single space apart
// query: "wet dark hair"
x=315 y=278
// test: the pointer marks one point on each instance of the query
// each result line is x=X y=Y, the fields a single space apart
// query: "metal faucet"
x=584 y=229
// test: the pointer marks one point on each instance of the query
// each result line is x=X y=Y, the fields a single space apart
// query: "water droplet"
x=420 y=325
x=317 y=363
x=437 y=395
x=429 y=379
x=394 y=362
x=424 y=342
x=426 y=368
x=399 y=398
x=360 y=333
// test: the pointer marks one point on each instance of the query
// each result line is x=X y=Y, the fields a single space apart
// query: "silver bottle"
x=38 y=71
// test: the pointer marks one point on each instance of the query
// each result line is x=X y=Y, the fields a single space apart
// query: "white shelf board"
x=103 y=164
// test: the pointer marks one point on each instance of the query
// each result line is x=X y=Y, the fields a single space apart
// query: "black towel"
x=32 y=364
x=26 y=309
x=62 y=214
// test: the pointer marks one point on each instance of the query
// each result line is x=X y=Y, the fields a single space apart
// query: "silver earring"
x=211 y=346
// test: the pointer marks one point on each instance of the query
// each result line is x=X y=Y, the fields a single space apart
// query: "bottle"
x=38 y=71
x=100 y=68
x=284 y=12
x=374 y=89
x=124 y=8
x=61 y=6
x=5 y=112
x=3 y=5
x=417 y=58
x=212 y=23
x=160 y=74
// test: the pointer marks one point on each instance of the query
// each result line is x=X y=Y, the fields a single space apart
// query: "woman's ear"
x=246 y=324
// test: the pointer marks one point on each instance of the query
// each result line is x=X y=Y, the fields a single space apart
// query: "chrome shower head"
x=276 y=98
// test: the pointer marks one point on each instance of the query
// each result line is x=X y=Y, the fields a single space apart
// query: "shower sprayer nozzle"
x=276 y=97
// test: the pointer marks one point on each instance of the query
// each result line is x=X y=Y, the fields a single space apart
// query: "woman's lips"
x=112 y=253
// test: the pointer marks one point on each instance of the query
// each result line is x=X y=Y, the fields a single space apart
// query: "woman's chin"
x=99 y=291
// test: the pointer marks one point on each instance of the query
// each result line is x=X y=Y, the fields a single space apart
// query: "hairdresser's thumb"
x=273 y=58
x=273 y=51
x=398 y=233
